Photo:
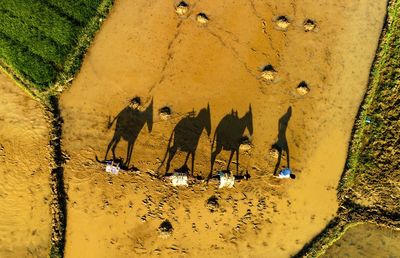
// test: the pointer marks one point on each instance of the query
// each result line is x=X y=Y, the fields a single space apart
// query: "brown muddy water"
x=25 y=220
x=366 y=241
x=244 y=62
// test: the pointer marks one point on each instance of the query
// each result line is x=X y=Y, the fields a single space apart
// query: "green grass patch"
x=32 y=38
x=76 y=10
x=42 y=42
x=29 y=66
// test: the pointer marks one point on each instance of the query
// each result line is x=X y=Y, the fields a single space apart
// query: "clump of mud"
x=165 y=228
x=268 y=73
x=309 y=25
x=274 y=153
x=212 y=203
x=303 y=88
x=245 y=143
x=165 y=113
x=282 y=22
x=202 y=18
x=182 y=8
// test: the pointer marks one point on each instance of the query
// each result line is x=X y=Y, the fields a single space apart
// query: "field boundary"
x=50 y=99
x=22 y=84
x=351 y=214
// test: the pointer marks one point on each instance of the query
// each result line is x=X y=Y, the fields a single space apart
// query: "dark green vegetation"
x=369 y=189
x=42 y=42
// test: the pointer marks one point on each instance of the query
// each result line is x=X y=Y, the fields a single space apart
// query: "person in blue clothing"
x=286 y=173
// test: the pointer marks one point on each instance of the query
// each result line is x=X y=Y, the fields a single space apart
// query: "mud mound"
x=202 y=18
x=309 y=25
x=282 y=22
x=245 y=143
x=165 y=228
x=165 y=113
x=182 y=8
x=268 y=73
x=303 y=88
x=212 y=203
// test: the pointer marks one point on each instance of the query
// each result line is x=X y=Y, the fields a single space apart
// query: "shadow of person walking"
x=129 y=123
x=229 y=135
x=186 y=136
x=282 y=145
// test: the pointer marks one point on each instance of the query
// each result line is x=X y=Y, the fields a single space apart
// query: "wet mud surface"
x=234 y=74
x=25 y=220
x=366 y=240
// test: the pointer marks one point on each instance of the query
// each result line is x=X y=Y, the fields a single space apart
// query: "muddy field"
x=366 y=240
x=25 y=220
x=287 y=73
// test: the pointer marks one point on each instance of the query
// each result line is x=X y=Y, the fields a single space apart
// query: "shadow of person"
x=229 y=135
x=282 y=145
x=129 y=123
x=185 y=137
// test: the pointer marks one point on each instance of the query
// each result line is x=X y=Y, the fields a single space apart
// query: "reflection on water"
x=366 y=240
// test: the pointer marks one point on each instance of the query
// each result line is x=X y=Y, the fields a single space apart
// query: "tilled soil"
x=238 y=64
x=25 y=220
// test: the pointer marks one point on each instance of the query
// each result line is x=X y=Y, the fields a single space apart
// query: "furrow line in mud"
x=235 y=54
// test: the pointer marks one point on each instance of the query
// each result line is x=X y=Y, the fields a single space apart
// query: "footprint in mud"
x=303 y=88
x=309 y=25
x=194 y=228
x=182 y=8
x=261 y=205
x=2 y=153
x=268 y=73
x=202 y=18
x=282 y=22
